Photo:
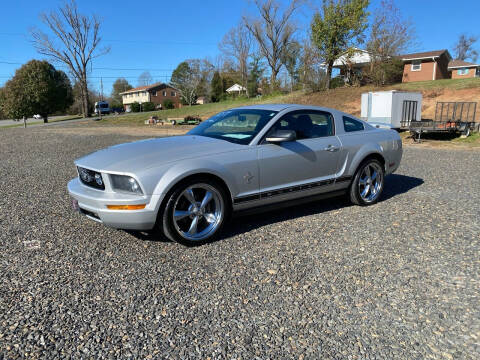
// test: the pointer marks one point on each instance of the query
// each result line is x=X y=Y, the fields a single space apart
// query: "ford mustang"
x=188 y=186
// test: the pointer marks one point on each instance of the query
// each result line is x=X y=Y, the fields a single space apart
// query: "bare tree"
x=74 y=41
x=464 y=48
x=273 y=31
x=145 y=79
x=390 y=33
x=237 y=44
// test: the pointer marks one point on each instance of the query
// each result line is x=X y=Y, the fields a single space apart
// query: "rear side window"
x=352 y=125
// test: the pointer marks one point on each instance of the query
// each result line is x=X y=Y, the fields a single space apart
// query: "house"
x=353 y=61
x=236 y=89
x=156 y=93
x=423 y=66
x=462 y=69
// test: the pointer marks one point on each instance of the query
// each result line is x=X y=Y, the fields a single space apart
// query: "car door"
x=307 y=165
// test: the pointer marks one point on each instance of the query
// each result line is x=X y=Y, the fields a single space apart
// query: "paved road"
x=399 y=280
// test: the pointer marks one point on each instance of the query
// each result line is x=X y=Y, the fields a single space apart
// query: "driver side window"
x=307 y=124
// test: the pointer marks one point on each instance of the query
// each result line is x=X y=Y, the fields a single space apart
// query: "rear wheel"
x=195 y=212
x=367 y=184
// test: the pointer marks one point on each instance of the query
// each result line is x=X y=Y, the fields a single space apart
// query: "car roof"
x=280 y=107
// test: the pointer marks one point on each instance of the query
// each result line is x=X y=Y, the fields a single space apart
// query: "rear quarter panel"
x=356 y=146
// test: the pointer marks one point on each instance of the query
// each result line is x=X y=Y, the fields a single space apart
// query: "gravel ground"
x=399 y=280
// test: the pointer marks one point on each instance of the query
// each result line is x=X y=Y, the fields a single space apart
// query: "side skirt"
x=288 y=203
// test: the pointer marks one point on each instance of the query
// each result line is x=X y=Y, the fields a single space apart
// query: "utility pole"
x=101 y=98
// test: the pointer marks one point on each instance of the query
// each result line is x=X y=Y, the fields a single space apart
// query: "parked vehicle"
x=37 y=116
x=102 y=107
x=243 y=158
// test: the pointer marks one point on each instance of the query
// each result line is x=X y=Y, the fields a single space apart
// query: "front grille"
x=91 y=178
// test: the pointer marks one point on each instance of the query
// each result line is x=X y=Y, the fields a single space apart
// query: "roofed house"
x=423 y=66
x=354 y=60
x=156 y=93
x=462 y=69
x=236 y=89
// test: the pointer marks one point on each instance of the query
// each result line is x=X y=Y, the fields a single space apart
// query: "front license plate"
x=75 y=204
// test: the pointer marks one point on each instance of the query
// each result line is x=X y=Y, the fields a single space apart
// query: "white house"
x=354 y=61
x=236 y=89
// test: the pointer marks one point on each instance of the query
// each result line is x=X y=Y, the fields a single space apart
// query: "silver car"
x=243 y=158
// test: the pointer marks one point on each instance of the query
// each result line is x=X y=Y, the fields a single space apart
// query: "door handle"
x=331 y=148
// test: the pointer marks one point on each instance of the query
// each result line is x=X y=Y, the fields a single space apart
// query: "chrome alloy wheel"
x=370 y=182
x=198 y=211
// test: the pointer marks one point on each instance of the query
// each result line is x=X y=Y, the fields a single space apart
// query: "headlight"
x=91 y=178
x=126 y=184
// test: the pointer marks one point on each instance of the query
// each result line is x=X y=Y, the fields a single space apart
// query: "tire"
x=369 y=174
x=174 y=122
x=199 y=219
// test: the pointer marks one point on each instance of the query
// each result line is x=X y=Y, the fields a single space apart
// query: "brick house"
x=430 y=65
x=463 y=70
x=156 y=93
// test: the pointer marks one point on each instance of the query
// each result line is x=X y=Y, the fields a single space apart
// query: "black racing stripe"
x=243 y=199
x=267 y=194
x=344 y=179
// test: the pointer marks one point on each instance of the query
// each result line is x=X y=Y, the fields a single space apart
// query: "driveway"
x=398 y=280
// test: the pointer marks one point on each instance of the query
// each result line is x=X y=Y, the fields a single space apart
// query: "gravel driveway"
x=399 y=280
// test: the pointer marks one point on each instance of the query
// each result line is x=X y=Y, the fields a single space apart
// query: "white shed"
x=395 y=109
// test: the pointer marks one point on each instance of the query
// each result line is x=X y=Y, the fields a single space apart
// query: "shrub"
x=135 y=107
x=148 y=106
x=168 y=104
x=337 y=82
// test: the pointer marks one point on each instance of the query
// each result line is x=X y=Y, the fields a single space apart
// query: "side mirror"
x=280 y=136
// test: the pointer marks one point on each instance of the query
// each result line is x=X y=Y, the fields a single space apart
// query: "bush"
x=135 y=107
x=148 y=106
x=168 y=104
x=337 y=82
x=385 y=73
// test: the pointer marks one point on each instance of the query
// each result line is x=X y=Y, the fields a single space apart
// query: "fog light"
x=126 y=207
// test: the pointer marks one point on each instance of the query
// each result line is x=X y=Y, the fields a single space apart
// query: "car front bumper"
x=93 y=203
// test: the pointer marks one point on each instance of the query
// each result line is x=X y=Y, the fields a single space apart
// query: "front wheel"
x=195 y=212
x=367 y=184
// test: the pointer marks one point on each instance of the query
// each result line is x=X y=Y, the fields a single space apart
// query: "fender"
x=181 y=170
x=351 y=165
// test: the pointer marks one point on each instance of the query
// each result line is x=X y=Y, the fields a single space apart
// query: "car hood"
x=144 y=154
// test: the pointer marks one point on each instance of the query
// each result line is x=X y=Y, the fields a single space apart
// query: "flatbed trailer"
x=450 y=117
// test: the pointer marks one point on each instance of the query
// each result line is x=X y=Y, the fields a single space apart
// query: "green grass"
x=60 y=118
x=455 y=84
x=203 y=111
x=472 y=140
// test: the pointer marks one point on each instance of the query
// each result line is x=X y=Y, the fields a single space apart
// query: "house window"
x=462 y=71
x=154 y=93
x=164 y=93
x=173 y=93
x=416 y=65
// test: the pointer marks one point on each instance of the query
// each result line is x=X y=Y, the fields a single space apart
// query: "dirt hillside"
x=348 y=99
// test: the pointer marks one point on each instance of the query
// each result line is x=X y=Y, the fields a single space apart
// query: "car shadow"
x=396 y=184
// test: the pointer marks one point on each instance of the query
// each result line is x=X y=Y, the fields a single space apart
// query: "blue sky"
x=157 y=35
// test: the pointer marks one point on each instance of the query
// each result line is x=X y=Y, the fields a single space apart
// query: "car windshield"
x=239 y=126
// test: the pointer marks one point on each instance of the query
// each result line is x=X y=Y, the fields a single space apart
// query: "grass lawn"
x=455 y=84
x=57 y=119
x=203 y=111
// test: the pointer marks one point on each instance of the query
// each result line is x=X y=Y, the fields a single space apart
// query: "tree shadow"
x=240 y=223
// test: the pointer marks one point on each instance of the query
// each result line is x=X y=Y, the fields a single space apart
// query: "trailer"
x=450 y=117
x=393 y=109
